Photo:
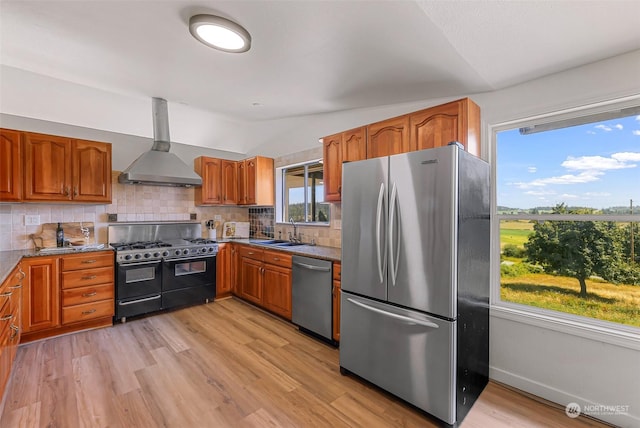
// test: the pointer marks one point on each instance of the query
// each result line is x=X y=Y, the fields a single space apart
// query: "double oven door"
x=188 y=280
x=138 y=288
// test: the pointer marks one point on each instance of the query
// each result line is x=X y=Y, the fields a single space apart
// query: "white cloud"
x=591 y=132
x=603 y=127
x=583 y=177
x=539 y=192
x=597 y=194
x=636 y=132
x=638 y=118
x=568 y=196
x=618 y=126
x=601 y=163
x=532 y=169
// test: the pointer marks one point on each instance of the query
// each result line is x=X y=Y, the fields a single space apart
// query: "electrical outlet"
x=193 y=216
x=217 y=217
x=31 y=220
x=112 y=217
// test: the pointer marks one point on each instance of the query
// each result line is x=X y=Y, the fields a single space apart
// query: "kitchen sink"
x=277 y=243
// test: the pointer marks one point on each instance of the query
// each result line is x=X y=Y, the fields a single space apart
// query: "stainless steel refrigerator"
x=415 y=277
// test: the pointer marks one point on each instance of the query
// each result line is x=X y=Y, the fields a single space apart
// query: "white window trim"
x=591 y=328
x=280 y=194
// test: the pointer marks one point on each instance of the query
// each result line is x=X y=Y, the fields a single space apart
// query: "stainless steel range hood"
x=159 y=167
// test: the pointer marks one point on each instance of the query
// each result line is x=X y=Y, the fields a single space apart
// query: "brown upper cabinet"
x=346 y=146
x=388 y=137
x=438 y=126
x=425 y=129
x=256 y=182
x=63 y=169
x=210 y=170
x=10 y=166
x=227 y=182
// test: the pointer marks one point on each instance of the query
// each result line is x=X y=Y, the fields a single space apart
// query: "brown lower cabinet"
x=336 y=294
x=67 y=293
x=10 y=296
x=223 y=270
x=264 y=278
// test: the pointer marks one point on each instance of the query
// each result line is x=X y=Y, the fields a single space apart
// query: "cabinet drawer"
x=336 y=271
x=277 y=258
x=76 y=296
x=251 y=253
x=87 y=260
x=87 y=311
x=82 y=278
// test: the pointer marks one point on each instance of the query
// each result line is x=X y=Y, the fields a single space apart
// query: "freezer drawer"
x=407 y=353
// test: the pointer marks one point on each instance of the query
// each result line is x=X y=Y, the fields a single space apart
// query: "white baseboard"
x=624 y=420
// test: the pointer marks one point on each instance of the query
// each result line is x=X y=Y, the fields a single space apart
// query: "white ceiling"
x=311 y=57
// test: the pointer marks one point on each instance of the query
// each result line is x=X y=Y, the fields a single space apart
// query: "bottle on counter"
x=59 y=236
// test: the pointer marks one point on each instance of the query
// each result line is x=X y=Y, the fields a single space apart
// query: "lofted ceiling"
x=312 y=57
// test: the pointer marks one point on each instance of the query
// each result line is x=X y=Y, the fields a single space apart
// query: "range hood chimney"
x=159 y=167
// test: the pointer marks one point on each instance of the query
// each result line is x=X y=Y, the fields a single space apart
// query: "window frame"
x=280 y=193
x=609 y=332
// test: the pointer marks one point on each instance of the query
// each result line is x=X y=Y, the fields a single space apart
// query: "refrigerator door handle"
x=408 y=320
x=382 y=261
x=393 y=261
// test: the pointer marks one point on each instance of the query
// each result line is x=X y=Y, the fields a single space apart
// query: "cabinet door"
x=251 y=280
x=336 y=310
x=332 y=167
x=242 y=182
x=210 y=170
x=91 y=171
x=250 y=169
x=277 y=290
x=234 y=269
x=354 y=145
x=41 y=294
x=229 y=182
x=223 y=271
x=388 y=137
x=10 y=166
x=47 y=167
x=438 y=126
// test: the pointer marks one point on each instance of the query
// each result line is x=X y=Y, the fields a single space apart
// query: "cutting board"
x=72 y=233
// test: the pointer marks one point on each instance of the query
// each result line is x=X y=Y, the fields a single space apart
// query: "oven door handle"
x=182 y=259
x=131 y=302
x=139 y=263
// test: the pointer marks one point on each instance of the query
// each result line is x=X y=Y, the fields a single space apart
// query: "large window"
x=568 y=213
x=302 y=194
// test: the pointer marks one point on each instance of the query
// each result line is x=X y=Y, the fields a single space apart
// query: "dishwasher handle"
x=312 y=267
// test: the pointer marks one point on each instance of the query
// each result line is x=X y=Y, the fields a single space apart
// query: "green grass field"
x=515 y=232
x=605 y=301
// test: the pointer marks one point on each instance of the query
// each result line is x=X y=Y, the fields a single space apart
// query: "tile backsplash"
x=129 y=202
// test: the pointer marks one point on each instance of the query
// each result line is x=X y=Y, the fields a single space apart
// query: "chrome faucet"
x=293 y=238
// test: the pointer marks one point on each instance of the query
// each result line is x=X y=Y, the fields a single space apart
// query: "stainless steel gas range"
x=161 y=266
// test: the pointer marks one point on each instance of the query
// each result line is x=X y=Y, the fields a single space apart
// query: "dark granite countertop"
x=315 y=251
x=9 y=259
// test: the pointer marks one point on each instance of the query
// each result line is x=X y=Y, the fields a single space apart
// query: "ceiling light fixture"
x=220 y=33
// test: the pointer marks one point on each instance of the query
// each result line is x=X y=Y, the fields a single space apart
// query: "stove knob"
x=165 y=253
x=137 y=256
x=147 y=255
x=211 y=249
x=177 y=252
x=127 y=257
x=185 y=252
x=156 y=254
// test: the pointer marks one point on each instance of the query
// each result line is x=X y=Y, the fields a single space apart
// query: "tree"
x=575 y=248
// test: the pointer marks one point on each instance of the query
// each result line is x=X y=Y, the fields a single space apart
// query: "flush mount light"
x=220 y=33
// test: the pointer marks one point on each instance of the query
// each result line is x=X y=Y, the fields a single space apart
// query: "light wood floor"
x=225 y=364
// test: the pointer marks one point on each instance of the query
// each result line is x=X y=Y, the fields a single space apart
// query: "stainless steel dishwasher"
x=311 y=296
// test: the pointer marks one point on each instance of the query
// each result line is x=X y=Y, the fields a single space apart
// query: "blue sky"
x=595 y=165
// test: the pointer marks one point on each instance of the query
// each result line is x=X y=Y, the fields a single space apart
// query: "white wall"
x=558 y=364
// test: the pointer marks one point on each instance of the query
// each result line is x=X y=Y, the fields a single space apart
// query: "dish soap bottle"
x=59 y=236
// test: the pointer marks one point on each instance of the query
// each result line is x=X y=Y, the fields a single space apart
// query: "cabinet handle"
x=24 y=275
x=93 y=293
x=15 y=329
x=277 y=259
x=75 y=191
x=88 y=261
x=89 y=277
x=6 y=317
x=89 y=312
x=66 y=190
x=6 y=294
x=251 y=253
x=15 y=287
